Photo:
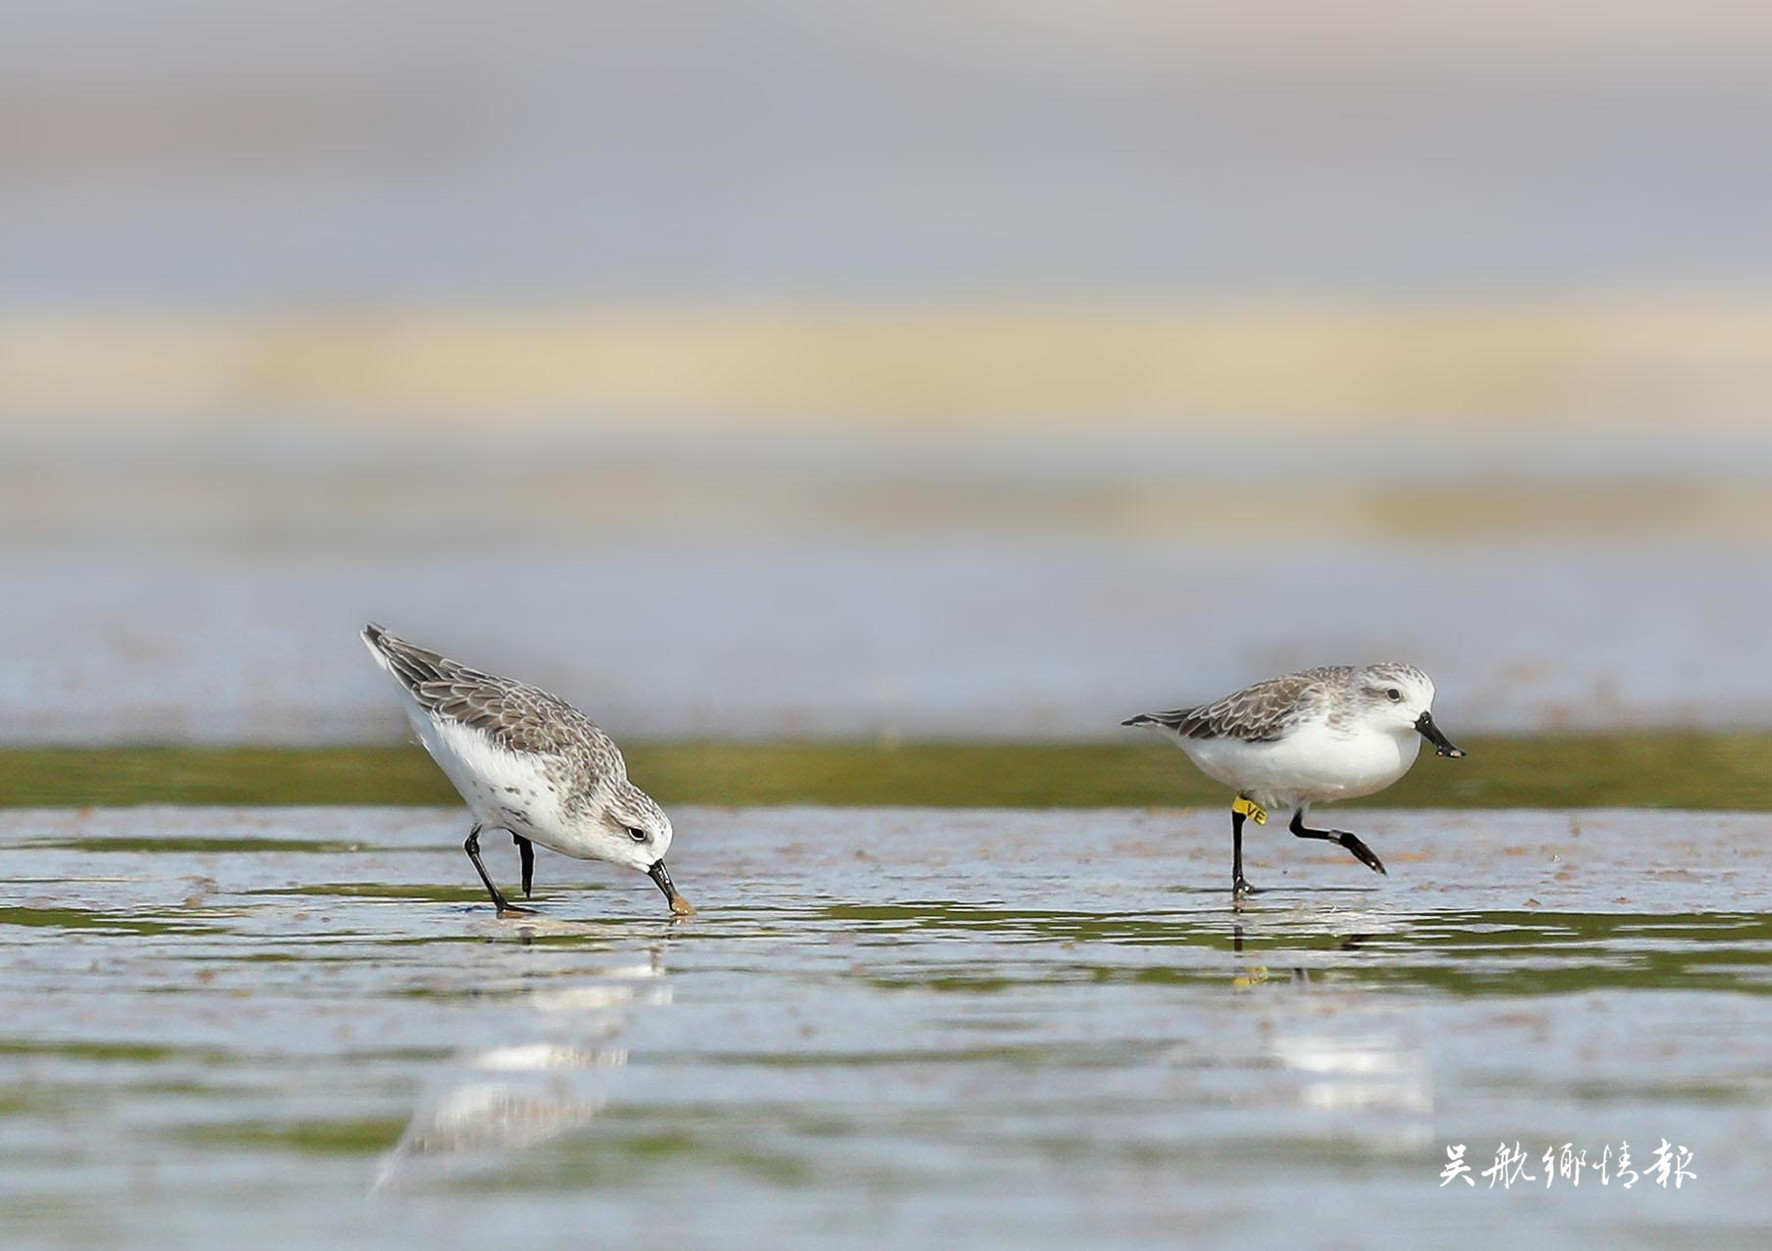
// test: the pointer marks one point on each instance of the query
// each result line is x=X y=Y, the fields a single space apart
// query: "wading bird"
x=530 y=763
x=1336 y=732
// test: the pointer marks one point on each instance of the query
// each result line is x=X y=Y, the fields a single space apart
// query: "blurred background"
x=959 y=369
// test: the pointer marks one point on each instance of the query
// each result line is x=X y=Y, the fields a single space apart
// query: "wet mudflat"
x=885 y=1028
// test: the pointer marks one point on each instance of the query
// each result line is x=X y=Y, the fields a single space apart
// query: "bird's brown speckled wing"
x=515 y=715
x=1256 y=714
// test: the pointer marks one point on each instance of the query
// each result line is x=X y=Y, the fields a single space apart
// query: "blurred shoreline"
x=940 y=370
x=203 y=581
x=1587 y=365
x=1556 y=772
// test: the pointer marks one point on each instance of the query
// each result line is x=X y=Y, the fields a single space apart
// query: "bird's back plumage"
x=513 y=715
x=1260 y=713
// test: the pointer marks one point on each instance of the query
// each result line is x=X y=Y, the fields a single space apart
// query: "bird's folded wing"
x=515 y=715
x=1256 y=714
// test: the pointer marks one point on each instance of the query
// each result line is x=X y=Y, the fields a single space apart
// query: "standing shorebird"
x=1337 y=732
x=530 y=763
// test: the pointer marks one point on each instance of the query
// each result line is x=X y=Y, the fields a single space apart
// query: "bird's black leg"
x=1239 y=884
x=1360 y=851
x=526 y=849
x=472 y=847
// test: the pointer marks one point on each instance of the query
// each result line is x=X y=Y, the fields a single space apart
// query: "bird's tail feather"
x=1166 y=720
x=410 y=665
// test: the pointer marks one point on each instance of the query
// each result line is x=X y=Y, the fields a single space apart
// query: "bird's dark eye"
x=1395 y=694
x=637 y=834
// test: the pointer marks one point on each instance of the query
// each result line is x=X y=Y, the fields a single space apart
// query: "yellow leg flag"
x=1249 y=808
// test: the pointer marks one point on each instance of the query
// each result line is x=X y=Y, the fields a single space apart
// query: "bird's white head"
x=1400 y=699
x=634 y=831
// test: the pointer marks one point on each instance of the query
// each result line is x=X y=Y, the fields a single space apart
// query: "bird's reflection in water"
x=1357 y=1063
x=1374 y=1070
x=549 y=1076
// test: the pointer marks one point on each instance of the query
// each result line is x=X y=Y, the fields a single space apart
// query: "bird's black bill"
x=1424 y=725
x=661 y=875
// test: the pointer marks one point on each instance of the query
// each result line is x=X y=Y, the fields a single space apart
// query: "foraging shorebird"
x=529 y=763
x=1336 y=732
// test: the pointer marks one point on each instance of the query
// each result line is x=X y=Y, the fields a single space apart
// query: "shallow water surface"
x=884 y=1028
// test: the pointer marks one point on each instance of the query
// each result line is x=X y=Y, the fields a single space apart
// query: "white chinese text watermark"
x=1566 y=1164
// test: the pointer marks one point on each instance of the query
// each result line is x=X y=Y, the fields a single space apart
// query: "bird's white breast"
x=504 y=789
x=1310 y=764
